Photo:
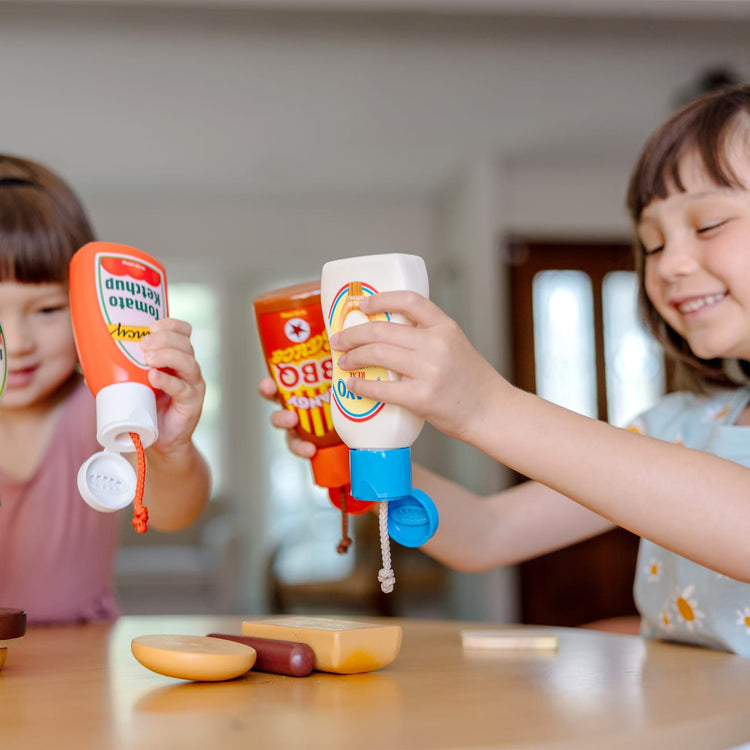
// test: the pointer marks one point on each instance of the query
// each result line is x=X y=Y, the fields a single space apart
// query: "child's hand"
x=177 y=378
x=444 y=379
x=286 y=419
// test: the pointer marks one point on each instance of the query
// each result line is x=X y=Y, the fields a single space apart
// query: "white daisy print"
x=666 y=620
x=687 y=608
x=743 y=619
x=653 y=569
x=715 y=413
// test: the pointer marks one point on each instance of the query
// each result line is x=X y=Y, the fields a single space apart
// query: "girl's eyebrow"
x=52 y=296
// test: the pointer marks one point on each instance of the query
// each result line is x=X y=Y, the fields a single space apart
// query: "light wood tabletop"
x=80 y=687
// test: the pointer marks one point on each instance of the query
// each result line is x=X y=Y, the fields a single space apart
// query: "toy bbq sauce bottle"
x=298 y=356
x=116 y=293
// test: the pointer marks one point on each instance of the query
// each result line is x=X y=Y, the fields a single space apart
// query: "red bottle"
x=298 y=356
x=116 y=292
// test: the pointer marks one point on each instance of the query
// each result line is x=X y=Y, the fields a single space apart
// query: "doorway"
x=577 y=341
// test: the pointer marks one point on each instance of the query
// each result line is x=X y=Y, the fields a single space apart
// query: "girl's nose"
x=676 y=259
x=16 y=335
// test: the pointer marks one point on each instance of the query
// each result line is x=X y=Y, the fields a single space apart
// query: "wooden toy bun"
x=193 y=657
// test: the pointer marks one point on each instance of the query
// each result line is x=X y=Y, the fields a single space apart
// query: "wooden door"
x=592 y=579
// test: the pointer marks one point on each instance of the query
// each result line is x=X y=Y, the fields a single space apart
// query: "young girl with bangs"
x=679 y=475
x=56 y=553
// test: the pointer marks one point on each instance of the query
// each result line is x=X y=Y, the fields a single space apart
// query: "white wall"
x=144 y=96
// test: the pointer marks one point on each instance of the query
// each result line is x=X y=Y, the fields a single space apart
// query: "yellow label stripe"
x=121 y=332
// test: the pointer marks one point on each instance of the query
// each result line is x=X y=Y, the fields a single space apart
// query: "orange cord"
x=140 y=511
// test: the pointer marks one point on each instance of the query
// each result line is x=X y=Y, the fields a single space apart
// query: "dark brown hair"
x=42 y=223
x=705 y=126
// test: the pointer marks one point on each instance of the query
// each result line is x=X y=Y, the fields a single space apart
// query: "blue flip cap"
x=385 y=475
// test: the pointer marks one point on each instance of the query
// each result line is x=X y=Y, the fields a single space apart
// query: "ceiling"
x=707 y=9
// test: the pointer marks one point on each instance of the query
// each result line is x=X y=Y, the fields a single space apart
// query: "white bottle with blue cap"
x=379 y=435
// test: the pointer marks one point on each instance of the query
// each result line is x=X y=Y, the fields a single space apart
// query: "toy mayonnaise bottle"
x=116 y=293
x=298 y=356
x=379 y=435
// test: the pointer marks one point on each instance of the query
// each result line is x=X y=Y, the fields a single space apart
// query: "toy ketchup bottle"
x=298 y=356
x=379 y=435
x=116 y=293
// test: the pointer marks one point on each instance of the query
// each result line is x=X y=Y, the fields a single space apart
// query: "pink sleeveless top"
x=57 y=555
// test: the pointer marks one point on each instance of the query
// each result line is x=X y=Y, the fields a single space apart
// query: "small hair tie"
x=16 y=181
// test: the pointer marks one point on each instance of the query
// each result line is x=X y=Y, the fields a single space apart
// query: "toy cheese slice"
x=341 y=646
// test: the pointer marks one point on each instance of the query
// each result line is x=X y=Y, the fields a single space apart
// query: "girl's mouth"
x=693 y=304
x=19 y=378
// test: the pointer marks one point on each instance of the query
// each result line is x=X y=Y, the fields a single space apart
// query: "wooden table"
x=79 y=687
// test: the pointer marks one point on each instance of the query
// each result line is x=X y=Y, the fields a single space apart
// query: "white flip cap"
x=107 y=481
x=122 y=408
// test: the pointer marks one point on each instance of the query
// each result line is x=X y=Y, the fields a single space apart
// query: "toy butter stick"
x=509 y=639
x=279 y=657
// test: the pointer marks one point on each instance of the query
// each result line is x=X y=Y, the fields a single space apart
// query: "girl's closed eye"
x=710 y=227
x=651 y=239
x=52 y=311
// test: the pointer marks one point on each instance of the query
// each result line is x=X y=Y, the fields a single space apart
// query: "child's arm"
x=478 y=533
x=689 y=501
x=177 y=476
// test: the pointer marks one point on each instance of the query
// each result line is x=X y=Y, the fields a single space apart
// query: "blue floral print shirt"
x=680 y=600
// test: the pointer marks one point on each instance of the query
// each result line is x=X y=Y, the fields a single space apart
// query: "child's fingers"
x=267 y=388
x=284 y=419
x=287 y=419
x=391 y=357
x=411 y=305
x=300 y=447
x=168 y=346
x=179 y=389
x=173 y=325
x=390 y=391
x=176 y=372
x=182 y=364
x=166 y=338
x=404 y=336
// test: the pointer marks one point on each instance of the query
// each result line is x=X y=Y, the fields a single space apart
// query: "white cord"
x=386 y=576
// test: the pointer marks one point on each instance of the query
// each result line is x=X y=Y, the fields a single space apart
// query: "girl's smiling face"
x=39 y=341
x=697 y=255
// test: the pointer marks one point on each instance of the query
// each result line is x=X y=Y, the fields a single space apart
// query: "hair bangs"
x=707 y=126
x=38 y=233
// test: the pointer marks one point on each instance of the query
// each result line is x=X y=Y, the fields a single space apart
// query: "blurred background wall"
x=245 y=143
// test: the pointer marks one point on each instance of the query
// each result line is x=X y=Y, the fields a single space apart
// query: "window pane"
x=634 y=361
x=305 y=527
x=564 y=340
x=198 y=305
